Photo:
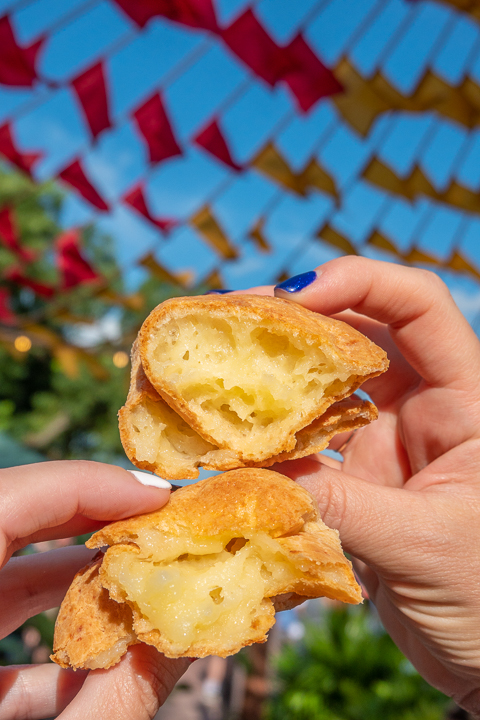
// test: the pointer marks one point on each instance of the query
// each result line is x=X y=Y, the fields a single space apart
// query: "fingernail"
x=151 y=480
x=297 y=282
x=217 y=292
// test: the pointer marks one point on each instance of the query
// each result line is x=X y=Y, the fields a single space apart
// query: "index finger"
x=40 y=500
x=423 y=319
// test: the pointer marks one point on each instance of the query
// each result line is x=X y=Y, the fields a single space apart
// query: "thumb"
x=381 y=526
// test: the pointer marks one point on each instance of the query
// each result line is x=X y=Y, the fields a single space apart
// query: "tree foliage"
x=348 y=668
x=62 y=396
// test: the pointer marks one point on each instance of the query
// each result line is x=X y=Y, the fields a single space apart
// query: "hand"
x=55 y=500
x=406 y=499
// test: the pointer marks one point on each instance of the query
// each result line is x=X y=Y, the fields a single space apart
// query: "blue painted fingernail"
x=297 y=282
x=217 y=292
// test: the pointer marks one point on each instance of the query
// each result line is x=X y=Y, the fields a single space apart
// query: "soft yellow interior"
x=202 y=591
x=252 y=376
x=161 y=437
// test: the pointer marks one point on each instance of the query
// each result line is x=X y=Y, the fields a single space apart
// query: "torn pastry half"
x=204 y=574
x=157 y=438
x=245 y=373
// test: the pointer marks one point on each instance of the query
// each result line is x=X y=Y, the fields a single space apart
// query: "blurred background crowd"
x=151 y=148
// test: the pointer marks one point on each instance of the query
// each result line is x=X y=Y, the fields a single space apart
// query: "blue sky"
x=200 y=77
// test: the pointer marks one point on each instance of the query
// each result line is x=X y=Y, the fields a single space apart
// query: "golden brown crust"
x=141 y=394
x=358 y=358
x=351 y=346
x=343 y=416
x=91 y=625
x=241 y=499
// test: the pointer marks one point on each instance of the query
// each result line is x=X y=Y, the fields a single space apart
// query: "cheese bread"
x=203 y=574
x=233 y=381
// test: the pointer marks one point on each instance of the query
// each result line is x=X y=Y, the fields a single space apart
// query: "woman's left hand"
x=55 y=500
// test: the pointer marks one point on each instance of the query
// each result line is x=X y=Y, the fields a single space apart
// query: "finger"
x=37 y=691
x=383 y=527
x=35 y=583
x=259 y=290
x=55 y=494
x=425 y=323
x=134 y=688
x=400 y=377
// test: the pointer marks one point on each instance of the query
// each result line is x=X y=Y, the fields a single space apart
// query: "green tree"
x=61 y=395
x=58 y=394
x=348 y=668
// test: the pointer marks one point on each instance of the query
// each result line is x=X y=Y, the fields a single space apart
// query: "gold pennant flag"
x=313 y=175
x=380 y=174
x=93 y=364
x=205 y=223
x=214 y=280
x=418 y=256
x=434 y=93
x=150 y=262
x=462 y=197
x=360 y=104
x=379 y=240
x=256 y=234
x=70 y=357
x=271 y=163
x=135 y=301
x=364 y=99
x=284 y=275
x=43 y=336
x=67 y=358
x=417 y=183
x=458 y=262
x=333 y=237
x=472 y=7
x=414 y=255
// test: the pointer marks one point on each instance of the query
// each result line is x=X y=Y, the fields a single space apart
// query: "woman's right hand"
x=406 y=499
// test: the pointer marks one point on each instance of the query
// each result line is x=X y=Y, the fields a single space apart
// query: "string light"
x=22 y=343
x=120 y=359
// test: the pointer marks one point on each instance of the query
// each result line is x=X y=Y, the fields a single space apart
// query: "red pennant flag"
x=141 y=11
x=250 y=41
x=90 y=89
x=6 y=315
x=9 y=235
x=74 y=268
x=154 y=125
x=24 y=161
x=17 y=64
x=308 y=79
x=194 y=13
x=75 y=176
x=136 y=199
x=212 y=140
x=16 y=276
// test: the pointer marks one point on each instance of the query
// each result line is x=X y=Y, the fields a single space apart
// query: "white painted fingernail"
x=151 y=480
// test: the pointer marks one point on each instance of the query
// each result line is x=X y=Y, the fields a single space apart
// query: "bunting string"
x=302 y=245
x=359 y=101
x=472 y=7
x=377 y=239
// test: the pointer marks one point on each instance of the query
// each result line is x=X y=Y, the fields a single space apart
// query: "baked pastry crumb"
x=241 y=381
x=203 y=575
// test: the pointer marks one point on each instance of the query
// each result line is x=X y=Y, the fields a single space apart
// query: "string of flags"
x=358 y=99
x=378 y=239
x=472 y=7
